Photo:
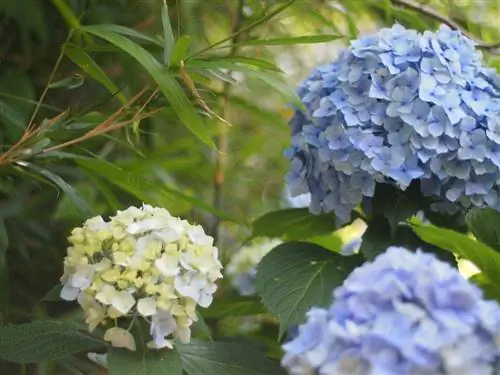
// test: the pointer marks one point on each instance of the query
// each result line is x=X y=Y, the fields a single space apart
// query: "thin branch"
x=51 y=77
x=432 y=13
x=223 y=139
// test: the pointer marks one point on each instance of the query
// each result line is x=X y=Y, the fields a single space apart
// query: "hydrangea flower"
x=242 y=268
x=404 y=313
x=142 y=262
x=398 y=107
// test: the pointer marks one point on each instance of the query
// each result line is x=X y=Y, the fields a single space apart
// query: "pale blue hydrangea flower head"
x=404 y=313
x=398 y=107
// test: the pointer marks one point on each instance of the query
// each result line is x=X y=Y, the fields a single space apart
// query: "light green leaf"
x=238 y=306
x=491 y=291
x=67 y=13
x=161 y=362
x=226 y=358
x=296 y=276
x=484 y=257
x=143 y=189
x=168 y=84
x=306 y=39
x=89 y=66
x=331 y=241
x=127 y=31
x=180 y=51
x=68 y=83
x=168 y=35
x=73 y=194
x=43 y=340
x=485 y=224
x=293 y=224
x=237 y=63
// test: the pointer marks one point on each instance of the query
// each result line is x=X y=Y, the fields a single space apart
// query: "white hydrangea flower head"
x=143 y=262
x=242 y=268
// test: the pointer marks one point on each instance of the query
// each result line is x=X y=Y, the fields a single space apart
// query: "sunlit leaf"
x=168 y=84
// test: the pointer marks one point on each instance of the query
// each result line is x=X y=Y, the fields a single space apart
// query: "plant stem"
x=431 y=13
x=223 y=141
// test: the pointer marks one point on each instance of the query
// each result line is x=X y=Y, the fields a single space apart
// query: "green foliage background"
x=225 y=60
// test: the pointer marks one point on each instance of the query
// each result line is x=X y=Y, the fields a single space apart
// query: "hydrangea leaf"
x=239 y=306
x=483 y=256
x=491 y=291
x=201 y=357
x=296 y=276
x=43 y=340
x=293 y=224
x=485 y=224
x=125 y=362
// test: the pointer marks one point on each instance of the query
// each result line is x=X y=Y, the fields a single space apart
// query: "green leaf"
x=168 y=35
x=484 y=257
x=161 y=362
x=396 y=205
x=491 y=291
x=306 y=39
x=296 y=276
x=43 y=340
x=53 y=295
x=331 y=241
x=485 y=224
x=293 y=224
x=127 y=31
x=237 y=63
x=226 y=358
x=89 y=66
x=143 y=189
x=72 y=193
x=168 y=84
x=239 y=306
x=68 y=83
x=4 y=269
x=67 y=13
x=180 y=51
x=201 y=327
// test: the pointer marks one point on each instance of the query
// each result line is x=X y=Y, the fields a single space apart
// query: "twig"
x=222 y=140
x=432 y=13
x=51 y=77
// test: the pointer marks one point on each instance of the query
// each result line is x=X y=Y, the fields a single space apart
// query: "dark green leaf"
x=4 y=269
x=53 y=295
x=396 y=205
x=63 y=185
x=89 y=66
x=143 y=189
x=161 y=362
x=296 y=276
x=168 y=84
x=201 y=327
x=484 y=257
x=68 y=83
x=293 y=224
x=239 y=306
x=226 y=358
x=306 y=39
x=485 y=224
x=168 y=35
x=180 y=51
x=43 y=340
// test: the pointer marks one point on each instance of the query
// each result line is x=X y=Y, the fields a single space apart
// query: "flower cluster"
x=396 y=107
x=242 y=268
x=406 y=314
x=142 y=262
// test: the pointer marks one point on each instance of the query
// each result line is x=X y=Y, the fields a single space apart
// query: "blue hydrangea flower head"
x=405 y=313
x=398 y=107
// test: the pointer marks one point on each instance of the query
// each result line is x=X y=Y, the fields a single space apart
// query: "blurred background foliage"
x=73 y=145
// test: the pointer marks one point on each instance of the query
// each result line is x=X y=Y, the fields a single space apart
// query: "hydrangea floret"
x=397 y=107
x=242 y=268
x=143 y=262
x=405 y=313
